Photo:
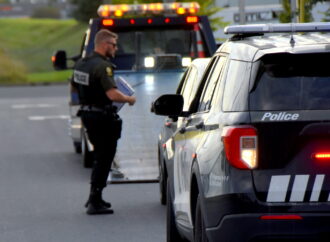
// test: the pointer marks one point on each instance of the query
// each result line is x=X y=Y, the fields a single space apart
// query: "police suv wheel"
x=172 y=234
x=77 y=147
x=162 y=183
x=87 y=155
x=199 y=233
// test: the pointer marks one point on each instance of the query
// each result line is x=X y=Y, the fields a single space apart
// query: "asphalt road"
x=43 y=185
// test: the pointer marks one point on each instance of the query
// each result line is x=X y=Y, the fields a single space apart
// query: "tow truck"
x=157 y=41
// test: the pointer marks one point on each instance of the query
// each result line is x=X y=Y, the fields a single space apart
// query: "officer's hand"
x=131 y=100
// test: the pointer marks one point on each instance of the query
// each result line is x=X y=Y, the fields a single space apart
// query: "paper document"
x=125 y=88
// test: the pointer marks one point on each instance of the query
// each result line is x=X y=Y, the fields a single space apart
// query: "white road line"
x=299 y=188
x=41 y=118
x=317 y=188
x=40 y=105
x=278 y=188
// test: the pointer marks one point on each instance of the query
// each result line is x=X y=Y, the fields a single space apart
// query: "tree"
x=85 y=9
x=326 y=17
x=208 y=8
x=285 y=16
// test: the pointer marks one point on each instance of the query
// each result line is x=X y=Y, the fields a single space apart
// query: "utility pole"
x=242 y=19
x=301 y=11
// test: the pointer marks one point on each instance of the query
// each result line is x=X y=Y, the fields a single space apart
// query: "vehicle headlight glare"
x=186 y=61
x=149 y=62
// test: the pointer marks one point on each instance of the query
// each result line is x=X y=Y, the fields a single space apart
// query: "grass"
x=49 y=77
x=31 y=42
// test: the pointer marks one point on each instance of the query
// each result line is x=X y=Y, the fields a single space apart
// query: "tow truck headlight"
x=149 y=62
x=186 y=61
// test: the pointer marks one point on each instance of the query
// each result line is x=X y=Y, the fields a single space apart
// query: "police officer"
x=93 y=78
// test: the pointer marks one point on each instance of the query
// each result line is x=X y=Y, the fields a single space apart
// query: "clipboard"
x=125 y=88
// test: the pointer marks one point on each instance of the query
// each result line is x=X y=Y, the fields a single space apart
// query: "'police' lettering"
x=280 y=116
x=81 y=77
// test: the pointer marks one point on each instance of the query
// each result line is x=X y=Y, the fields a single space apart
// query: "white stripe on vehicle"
x=278 y=188
x=317 y=188
x=299 y=188
x=329 y=198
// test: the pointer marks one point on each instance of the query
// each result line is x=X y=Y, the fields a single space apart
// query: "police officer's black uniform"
x=93 y=76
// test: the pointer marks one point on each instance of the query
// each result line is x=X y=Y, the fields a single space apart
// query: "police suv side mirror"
x=59 y=60
x=168 y=105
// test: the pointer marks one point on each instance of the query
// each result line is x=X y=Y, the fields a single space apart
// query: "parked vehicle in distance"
x=187 y=88
x=251 y=156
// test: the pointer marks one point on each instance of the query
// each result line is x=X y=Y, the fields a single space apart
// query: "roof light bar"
x=118 y=10
x=278 y=28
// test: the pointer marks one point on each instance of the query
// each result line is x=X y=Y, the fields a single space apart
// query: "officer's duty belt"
x=92 y=109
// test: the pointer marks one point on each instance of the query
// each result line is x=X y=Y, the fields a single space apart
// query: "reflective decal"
x=317 y=188
x=299 y=188
x=278 y=188
x=279 y=184
x=216 y=180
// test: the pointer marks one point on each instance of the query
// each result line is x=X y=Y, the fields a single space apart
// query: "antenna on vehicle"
x=292 y=41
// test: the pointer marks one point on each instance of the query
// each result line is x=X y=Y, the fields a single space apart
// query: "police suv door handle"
x=182 y=130
x=188 y=120
x=200 y=125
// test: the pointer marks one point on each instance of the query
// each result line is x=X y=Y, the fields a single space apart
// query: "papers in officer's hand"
x=125 y=88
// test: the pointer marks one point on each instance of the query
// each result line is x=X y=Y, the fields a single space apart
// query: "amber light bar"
x=119 y=10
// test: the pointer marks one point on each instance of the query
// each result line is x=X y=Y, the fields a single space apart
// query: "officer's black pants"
x=103 y=134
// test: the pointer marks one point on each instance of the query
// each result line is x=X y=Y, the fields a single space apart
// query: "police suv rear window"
x=292 y=82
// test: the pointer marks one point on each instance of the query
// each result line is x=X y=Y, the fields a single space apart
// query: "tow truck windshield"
x=164 y=41
x=141 y=43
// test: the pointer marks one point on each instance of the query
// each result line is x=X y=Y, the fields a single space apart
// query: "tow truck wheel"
x=77 y=147
x=87 y=155
x=172 y=234
x=200 y=234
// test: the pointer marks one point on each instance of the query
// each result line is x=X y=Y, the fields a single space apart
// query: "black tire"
x=199 y=228
x=77 y=147
x=88 y=158
x=162 y=183
x=172 y=234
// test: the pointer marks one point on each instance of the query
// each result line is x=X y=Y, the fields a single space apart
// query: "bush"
x=11 y=71
x=46 y=12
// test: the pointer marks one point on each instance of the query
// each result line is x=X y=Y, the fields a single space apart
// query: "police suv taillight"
x=240 y=144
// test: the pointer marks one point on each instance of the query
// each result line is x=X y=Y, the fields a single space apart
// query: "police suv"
x=187 y=88
x=157 y=41
x=251 y=157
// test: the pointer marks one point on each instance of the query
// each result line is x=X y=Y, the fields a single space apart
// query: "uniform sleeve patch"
x=109 y=71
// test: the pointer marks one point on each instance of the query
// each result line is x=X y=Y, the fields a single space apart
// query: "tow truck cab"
x=156 y=42
x=169 y=38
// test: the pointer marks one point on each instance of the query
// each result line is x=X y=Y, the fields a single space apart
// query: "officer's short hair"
x=102 y=35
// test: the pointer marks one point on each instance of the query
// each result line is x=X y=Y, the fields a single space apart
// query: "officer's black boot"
x=95 y=205
x=104 y=203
